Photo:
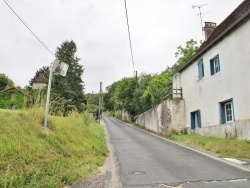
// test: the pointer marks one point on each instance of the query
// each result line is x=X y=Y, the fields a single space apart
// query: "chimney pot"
x=208 y=29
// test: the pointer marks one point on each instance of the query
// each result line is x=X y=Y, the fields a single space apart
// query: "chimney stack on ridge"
x=208 y=29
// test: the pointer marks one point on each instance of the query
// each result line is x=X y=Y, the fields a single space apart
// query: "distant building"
x=215 y=82
x=38 y=82
x=13 y=98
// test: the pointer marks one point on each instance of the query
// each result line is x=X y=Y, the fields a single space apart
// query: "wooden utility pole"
x=136 y=79
x=100 y=102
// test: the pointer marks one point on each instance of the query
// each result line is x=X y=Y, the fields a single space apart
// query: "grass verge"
x=29 y=157
x=239 y=149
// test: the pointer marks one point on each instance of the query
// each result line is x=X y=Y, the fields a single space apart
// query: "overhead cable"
x=131 y=51
x=26 y=25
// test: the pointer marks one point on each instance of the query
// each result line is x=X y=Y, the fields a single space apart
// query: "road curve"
x=147 y=161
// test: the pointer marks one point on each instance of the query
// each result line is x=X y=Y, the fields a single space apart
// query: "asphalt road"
x=144 y=160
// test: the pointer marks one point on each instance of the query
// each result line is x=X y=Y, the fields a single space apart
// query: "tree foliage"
x=184 y=54
x=71 y=87
x=152 y=88
x=4 y=81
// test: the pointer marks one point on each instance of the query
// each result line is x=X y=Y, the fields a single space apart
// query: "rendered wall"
x=232 y=82
x=164 y=118
x=239 y=130
x=125 y=116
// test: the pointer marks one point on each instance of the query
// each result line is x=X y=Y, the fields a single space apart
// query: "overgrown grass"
x=239 y=149
x=30 y=157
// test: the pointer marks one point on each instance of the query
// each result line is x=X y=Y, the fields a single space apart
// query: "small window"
x=195 y=119
x=227 y=111
x=215 y=65
x=13 y=96
x=200 y=69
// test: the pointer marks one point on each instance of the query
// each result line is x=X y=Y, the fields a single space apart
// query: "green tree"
x=141 y=98
x=4 y=81
x=120 y=96
x=109 y=97
x=92 y=101
x=184 y=54
x=152 y=89
x=70 y=87
x=125 y=94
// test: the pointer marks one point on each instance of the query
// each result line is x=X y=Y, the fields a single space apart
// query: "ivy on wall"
x=18 y=102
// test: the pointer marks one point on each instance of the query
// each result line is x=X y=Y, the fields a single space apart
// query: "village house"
x=38 y=82
x=215 y=82
x=13 y=98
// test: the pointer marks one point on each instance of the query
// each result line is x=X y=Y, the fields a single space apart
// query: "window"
x=200 y=69
x=195 y=119
x=13 y=96
x=227 y=111
x=215 y=65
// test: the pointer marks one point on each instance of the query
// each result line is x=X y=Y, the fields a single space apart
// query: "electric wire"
x=26 y=25
x=131 y=51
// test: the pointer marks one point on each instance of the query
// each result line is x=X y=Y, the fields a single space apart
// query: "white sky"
x=98 y=27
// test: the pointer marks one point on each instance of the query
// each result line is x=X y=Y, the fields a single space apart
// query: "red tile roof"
x=242 y=12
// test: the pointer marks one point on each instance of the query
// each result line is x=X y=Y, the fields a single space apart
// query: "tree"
x=184 y=54
x=141 y=98
x=152 y=89
x=70 y=87
x=4 y=81
x=120 y=96
x=92 y=101
x=109 y=97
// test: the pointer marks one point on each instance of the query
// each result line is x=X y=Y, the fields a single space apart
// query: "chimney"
x=7 y=87
x=208 y=29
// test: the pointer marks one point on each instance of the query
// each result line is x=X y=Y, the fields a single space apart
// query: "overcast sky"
x=98 y=27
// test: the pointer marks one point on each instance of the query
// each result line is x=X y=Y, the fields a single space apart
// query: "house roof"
x=240 y=14
x=15 y=88
x=39 y=78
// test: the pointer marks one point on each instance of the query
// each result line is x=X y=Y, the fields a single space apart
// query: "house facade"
x=13 y=98
x=38 y=82
x=216 y=82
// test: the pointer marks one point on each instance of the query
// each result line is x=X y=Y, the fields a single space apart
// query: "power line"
x=131 y=51
x=26 y=25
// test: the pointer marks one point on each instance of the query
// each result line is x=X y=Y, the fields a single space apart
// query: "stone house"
x=13 y=98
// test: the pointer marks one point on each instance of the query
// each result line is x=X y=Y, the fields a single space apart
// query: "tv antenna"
x=200 y=13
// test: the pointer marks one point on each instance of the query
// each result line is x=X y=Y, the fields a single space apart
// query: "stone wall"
x=238 y=129
x=125 y=116
x=162 y=119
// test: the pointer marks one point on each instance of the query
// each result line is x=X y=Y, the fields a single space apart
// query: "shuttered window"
x=200 y=69
x=215 y=65
x=195 y=119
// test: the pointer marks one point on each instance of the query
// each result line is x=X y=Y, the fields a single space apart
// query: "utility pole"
x=100 y=102
x=200 y=13
x=136 y=79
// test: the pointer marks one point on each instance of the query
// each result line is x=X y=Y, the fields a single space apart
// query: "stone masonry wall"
x=163 y=118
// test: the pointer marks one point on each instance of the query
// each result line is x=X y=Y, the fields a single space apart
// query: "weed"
x=228 y=147
x=73 y=148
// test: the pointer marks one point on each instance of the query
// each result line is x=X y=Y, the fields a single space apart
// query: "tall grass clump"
x=224 y=147
x=72 y=148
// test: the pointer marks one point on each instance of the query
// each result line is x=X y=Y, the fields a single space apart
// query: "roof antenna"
x=200 y=13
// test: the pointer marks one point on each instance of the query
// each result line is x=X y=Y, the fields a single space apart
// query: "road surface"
x=143 y=160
